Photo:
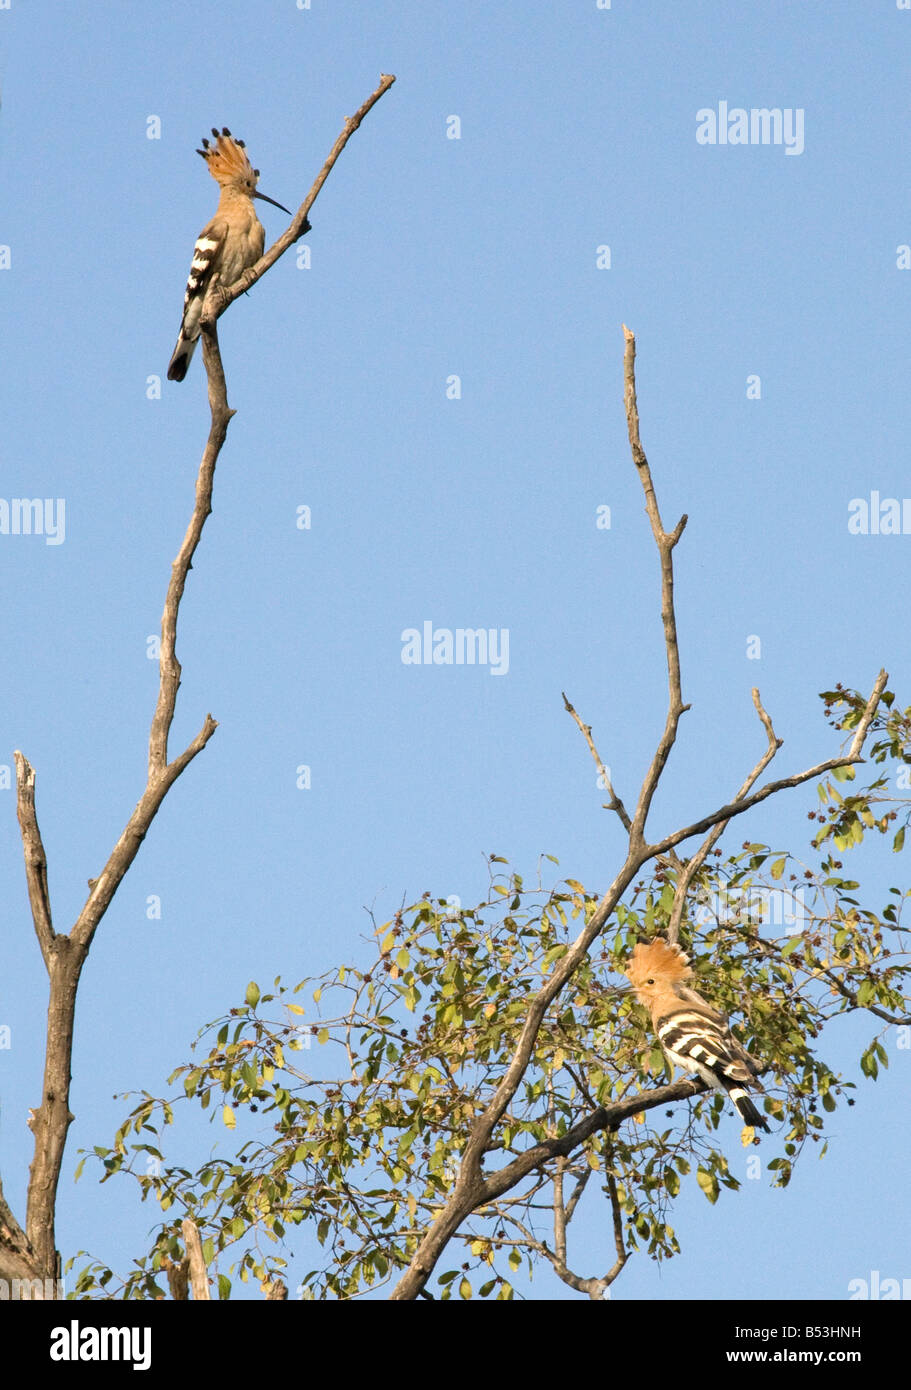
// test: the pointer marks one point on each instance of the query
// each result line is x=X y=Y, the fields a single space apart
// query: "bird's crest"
x=658 y=960
x=227 y=159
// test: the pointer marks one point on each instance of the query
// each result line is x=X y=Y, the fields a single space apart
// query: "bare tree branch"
x=199 y=1277
x=737 y=808
x=178 y=1273
x=15 y=1255
x=692 y=867
x=594 y=1287
x=615 y=804
x=665 y=541
x=619 y=1242
x=276 y=1290
x=35 y=857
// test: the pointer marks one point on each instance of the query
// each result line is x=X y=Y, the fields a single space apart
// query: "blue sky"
x=435 y=257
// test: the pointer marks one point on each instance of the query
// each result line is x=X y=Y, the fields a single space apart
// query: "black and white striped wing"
x=698 y=1039
x=205 y=262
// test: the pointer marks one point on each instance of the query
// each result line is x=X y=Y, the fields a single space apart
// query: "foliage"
x=408 y=1048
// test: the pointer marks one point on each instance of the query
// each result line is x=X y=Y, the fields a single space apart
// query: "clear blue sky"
x=434 y=257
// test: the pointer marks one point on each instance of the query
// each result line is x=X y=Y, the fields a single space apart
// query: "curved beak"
x=274 y=203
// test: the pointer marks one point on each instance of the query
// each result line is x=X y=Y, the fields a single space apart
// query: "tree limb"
x=615 y=804
x=35 y=857
x=199 y=1277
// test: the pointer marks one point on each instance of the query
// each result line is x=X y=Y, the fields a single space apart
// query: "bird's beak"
x=274 y=203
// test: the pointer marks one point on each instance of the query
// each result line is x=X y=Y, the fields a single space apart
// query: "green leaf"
x=228 y=1114
x=709 y=1183
x=843 y=774
x=899 y=840
x=406 y=1141
x=778 y=867
x=252 y=994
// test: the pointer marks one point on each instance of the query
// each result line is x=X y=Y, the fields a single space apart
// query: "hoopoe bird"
x=694 y=1036
x=226 y=246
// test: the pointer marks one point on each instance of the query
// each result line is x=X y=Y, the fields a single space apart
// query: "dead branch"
x=615 y=804
x=199 y=1278
x=665 y=541
x=35 y=857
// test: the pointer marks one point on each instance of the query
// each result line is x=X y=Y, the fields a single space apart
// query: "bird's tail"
x=180 y=358
x=748 y=1112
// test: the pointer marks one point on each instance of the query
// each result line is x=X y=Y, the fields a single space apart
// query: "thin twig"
x=665 y=541
x=619 y=1243
x=689 y=871
x=594 y=1287
x=615 y=804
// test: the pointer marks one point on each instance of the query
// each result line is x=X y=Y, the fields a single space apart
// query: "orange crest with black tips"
x=658 y=960
x=227 y=159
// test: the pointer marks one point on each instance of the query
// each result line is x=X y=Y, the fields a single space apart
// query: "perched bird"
x=694 y=1036
x=226 y=246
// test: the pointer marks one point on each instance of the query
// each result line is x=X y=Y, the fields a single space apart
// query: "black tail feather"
x=748 y=1112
